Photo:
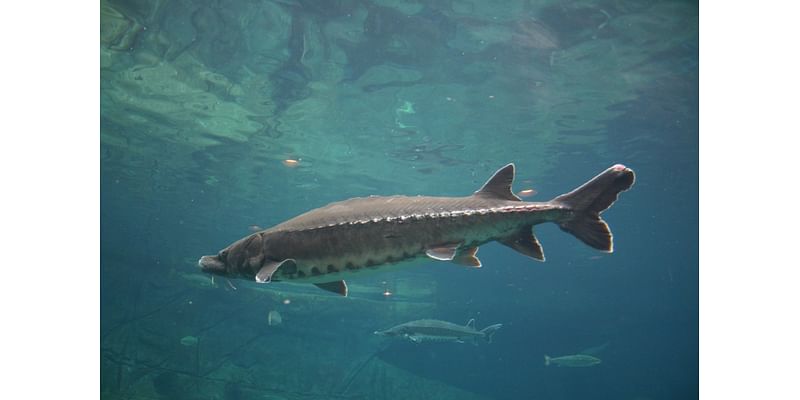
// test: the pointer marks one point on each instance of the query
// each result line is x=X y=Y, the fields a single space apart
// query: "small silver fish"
x=432 y=330
x=575 y=360
x=189 y=341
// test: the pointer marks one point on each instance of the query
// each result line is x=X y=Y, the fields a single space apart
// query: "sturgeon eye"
x=223 y=254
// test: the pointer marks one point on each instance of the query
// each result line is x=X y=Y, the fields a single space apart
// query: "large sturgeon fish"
x=328 y=244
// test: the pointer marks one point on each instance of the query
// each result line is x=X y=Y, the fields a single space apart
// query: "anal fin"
x=338 y=287
x=467 y=258
x=526 y=243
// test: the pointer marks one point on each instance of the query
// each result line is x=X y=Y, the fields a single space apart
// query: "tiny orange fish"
x=527 y=193
x=290 y=163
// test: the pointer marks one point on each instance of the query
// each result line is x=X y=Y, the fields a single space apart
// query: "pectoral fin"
x=526 y=243
x=269 y=267
x=338 y=287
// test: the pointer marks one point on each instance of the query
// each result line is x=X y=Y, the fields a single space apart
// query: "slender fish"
x=575 y=360
x=433 y=330
x=326 y=245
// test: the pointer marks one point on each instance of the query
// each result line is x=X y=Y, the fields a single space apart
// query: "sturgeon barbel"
x=326 y=245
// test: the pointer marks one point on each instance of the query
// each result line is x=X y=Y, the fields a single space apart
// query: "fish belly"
x=332 y=254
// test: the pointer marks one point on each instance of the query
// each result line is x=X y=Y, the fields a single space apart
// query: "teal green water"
x=203 y=102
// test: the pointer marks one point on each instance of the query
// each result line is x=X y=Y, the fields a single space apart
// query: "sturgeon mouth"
x=211 y=265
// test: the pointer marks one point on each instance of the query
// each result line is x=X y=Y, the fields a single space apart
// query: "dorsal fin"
x=499 y=185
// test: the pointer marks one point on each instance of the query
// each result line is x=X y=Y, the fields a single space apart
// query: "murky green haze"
x=202 y=103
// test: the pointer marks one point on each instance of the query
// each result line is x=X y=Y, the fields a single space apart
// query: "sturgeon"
x=434 y=330
x=343 y=239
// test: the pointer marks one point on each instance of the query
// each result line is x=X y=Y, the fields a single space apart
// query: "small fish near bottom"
x=432 y=330
x=575 y=360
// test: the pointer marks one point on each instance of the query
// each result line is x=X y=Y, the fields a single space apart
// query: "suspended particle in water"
x=386 y=291
x=255 y=228
x=286 y=301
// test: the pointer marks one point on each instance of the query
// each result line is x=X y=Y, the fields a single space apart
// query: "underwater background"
x=220 y=115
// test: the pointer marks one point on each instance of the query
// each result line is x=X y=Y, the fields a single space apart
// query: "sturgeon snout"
x=211 y=265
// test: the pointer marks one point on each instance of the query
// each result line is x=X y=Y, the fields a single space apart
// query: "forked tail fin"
x=489 y=331
x=589 y=200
